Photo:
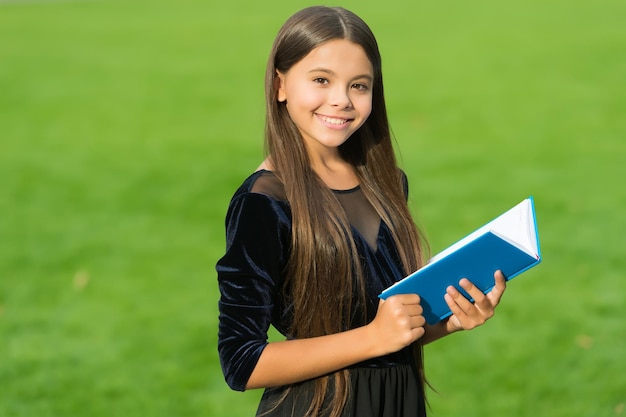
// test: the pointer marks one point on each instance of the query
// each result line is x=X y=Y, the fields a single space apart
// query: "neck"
x=335 y=172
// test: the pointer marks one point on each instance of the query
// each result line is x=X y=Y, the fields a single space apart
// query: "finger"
x=500 y=281
x=414 y=309
x=417 y=321
x=473 y=291
x=498 y=290
x=484 y=303
x=417 y=333
x=456 y=310
x=404 y=299
x=459 y=298
x=409 y=298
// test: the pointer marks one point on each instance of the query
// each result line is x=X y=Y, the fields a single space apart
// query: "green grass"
x=125 y=127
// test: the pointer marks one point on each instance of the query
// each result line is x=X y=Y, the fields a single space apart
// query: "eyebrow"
x=330 y=72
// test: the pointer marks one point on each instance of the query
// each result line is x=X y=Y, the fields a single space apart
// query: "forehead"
x=338 y=55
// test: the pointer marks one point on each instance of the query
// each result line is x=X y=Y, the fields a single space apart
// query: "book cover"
x=509 y=243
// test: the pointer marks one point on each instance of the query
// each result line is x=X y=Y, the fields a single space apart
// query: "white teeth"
x=334 y=121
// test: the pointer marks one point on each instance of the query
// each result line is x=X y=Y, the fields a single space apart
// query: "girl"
x=318 y=231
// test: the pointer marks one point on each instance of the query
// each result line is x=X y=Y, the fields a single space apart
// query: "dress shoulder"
x=263 y=182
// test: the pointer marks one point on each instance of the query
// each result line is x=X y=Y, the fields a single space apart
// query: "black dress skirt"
x=375 y=392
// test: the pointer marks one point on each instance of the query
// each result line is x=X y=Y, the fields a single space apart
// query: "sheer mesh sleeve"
x=257 y=242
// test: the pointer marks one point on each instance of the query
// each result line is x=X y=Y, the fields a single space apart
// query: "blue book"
x=509 y=243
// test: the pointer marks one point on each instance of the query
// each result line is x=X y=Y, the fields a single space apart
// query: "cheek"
x=302 y=104
x=364 y=106
x=307 y=98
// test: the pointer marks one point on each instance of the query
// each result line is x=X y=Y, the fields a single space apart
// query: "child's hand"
x=398 y=322
x=467 y=315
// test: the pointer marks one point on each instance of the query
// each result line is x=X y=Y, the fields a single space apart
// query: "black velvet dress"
x=258 y=232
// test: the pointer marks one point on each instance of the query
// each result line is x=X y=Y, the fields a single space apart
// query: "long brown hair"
x=323 y=269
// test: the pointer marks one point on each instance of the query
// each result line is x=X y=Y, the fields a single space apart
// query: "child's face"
x=328 y=93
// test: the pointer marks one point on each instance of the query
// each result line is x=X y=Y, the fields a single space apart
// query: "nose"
x=340 y=98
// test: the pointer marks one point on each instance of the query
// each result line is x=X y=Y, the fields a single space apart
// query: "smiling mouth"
x=334 y=120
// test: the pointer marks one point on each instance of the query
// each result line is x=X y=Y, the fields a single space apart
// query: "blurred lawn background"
x=125 y=127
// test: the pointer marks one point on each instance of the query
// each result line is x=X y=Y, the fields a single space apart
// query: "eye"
x=360 y=86
x=320 y=80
